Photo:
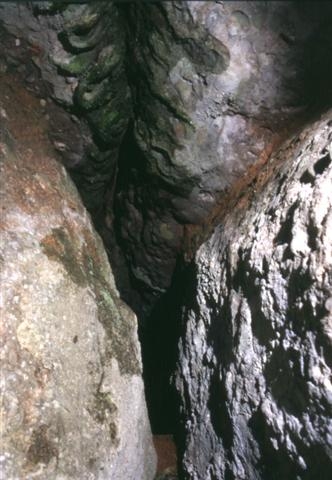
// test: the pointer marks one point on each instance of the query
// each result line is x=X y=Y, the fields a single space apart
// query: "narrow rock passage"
x=169 y=117
x=26 y=126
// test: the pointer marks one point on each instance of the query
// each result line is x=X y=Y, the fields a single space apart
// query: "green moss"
x=82 y=18
x=120 y=329
x=109 y=58
x=103 y=406
x=93 y=96
x=116 y=318
x=109 y=121
x=75 y=64
x=85 y=42
x=82 y=43
x=104 y=410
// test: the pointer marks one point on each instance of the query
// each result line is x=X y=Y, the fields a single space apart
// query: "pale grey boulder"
x=254 y=372
x=73 y=404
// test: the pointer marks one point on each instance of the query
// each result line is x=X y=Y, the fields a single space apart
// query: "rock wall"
x=73 y=55
x=254 y=372
x=161 y=107
x=72 y=401
x=215 y=85
x=165 y=104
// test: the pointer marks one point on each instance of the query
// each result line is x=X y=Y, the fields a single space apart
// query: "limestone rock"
x=73 y=404
x=254 y=374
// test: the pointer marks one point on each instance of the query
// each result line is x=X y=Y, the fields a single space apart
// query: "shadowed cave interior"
x=131 y=190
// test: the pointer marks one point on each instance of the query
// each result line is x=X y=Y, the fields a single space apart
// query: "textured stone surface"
x=254 y=373
x=72 y=402
x=73 y=55
x=219 y=80
x=203 y=89
x=215 y=85
x=165 y=105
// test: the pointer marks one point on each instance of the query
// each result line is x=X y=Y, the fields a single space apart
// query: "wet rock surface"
x=254 y=371
x=73 y=403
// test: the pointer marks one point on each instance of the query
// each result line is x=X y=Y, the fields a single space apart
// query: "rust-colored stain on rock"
x=167 y=458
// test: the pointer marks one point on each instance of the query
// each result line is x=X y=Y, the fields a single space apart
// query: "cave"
x=186 y=127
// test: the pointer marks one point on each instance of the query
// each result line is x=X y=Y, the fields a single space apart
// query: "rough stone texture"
x=203 y=89
x=73 y=55
x=254 y=373
x=72 y=402
x=164 y=106
x=214 y=86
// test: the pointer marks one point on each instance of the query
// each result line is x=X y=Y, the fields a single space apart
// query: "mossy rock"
x=109 y=122
x=81 y=19
x=87 y=41
x=75 y=64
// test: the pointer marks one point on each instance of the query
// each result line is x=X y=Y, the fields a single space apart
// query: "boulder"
x=254 y=371
x=73 y=404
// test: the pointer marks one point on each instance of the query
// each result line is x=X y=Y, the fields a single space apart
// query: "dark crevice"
x=158 y=316
x=322 y=164
x=313 y=232
x=284 y=235
x=159 y=338
x=281 y=182
x=274 y=464
x=220 y=416
x=125 y=171
x=307 y=177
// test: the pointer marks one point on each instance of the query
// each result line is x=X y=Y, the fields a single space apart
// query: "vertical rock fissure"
x=166 y=114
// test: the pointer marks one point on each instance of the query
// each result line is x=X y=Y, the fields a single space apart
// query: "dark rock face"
x=73 y=55
x=161 y=108
x=72 y=400
x=254 y=372
x=215 y=85
x=203 y=90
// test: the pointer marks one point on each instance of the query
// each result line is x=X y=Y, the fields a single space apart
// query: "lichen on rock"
x=70 y=357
